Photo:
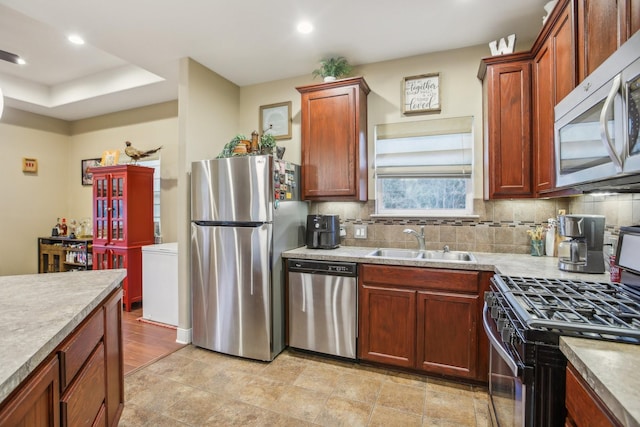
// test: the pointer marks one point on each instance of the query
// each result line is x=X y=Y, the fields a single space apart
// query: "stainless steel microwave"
x=597 y=144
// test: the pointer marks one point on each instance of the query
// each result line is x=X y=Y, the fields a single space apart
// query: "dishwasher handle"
x=334 y=268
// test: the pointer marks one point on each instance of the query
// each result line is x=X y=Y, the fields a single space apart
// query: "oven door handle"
x=497 y=344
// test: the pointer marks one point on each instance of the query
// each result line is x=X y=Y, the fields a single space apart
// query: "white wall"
x=208 y=119
x=460 y=91
x=143 y=135
x=30 y=202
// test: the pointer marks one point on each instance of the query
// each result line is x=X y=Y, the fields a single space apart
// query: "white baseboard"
x=183 y=336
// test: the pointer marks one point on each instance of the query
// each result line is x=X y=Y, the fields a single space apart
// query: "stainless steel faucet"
x=419 y=236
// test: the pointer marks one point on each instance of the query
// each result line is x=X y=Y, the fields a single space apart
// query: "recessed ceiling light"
x=305 y=27
x=75 y=39
x=21 y=61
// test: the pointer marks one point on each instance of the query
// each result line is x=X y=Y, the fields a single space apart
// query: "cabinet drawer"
x=420 y=278
x=77 y=350
x=82 y=402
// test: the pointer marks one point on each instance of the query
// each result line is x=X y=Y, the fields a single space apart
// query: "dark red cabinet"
x=122 y=223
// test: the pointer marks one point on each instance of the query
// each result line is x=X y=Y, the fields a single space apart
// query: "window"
x=423 y=168
x=155 y=164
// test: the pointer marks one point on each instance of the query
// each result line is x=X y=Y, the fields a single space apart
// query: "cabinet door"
x=584 y=407
x=508 y=141
x=554 y=77
x=105 y=258
x=597 y=33
x=334 y=140
x=387 y=326
x=113 y=353
x=37 y=403
x=447 y=333
x=629 y=18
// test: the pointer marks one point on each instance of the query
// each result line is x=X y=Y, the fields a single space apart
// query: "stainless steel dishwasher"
x=323 y=306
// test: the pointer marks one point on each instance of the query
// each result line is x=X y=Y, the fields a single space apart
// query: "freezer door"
x=231 y=289
x=236 y=189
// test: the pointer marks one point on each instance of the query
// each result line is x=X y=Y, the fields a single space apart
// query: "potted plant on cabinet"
x=267 y=143
x=333 y=68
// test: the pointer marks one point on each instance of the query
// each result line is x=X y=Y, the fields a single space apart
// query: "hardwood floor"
x=143 y=342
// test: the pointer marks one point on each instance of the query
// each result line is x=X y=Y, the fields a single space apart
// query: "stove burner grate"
x=567 y=305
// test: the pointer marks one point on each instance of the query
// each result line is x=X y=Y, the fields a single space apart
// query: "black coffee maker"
x=323 y=231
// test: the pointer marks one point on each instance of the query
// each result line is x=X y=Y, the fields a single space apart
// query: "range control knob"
x=507 y=334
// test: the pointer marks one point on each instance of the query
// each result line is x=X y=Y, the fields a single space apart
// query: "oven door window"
x=581 y=146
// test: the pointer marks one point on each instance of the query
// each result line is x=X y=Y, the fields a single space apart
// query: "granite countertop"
x=38 y=311
x=611 y=370
x=508 y=264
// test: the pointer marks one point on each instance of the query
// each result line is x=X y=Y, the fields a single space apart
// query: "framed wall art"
x=276 y=120
x=85 y=165
x=421 y=94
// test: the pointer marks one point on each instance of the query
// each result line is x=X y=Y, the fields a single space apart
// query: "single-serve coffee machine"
x=323 y=231
x=582 y=253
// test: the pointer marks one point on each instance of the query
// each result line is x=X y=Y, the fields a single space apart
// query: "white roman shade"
x=426 y=148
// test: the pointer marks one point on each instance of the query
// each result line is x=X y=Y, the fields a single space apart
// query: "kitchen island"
x=610 y=370
x=68 y=323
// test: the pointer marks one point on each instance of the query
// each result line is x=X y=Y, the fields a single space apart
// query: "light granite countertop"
x=508 y=264
x=611 y=370
x=38 y=311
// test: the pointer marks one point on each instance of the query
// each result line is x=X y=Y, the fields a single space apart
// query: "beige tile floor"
x=195 y=387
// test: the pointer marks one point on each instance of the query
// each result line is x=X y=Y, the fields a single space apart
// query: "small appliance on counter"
x=583 y=252
x=323 y=231
x=628 y=259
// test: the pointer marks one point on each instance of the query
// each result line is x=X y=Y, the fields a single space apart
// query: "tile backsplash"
x=499 y=226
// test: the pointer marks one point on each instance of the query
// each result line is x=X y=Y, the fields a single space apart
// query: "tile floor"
x=195 y=387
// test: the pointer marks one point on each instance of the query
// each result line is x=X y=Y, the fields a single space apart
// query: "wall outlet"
x=360 y=231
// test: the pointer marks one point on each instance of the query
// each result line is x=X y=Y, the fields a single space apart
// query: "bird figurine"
x=136 y=154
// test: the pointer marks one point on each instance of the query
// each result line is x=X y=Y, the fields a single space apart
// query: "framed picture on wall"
x=85 y=165
x=421 y=94
x=276 y=120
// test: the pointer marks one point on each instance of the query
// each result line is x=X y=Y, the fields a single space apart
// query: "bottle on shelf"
x=63 y=227
x=55 y=231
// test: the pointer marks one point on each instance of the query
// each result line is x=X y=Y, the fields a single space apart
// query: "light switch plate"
x=360 y=231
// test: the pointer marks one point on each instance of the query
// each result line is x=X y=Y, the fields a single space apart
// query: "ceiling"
x=132 y=48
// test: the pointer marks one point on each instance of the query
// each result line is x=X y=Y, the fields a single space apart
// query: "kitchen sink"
x=448 y=256
x=395 y=253
x=431 y=255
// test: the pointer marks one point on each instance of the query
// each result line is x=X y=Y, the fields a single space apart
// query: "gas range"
x=572 y=307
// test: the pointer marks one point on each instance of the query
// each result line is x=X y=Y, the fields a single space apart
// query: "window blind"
x=427 y=148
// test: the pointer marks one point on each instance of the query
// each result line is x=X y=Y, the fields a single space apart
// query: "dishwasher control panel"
x=323 y=267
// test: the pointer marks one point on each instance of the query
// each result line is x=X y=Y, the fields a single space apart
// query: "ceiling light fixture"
x=305 y=27
x=11 y=57
x=76 y=39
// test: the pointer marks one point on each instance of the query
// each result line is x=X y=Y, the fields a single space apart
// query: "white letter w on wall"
x=504 y=46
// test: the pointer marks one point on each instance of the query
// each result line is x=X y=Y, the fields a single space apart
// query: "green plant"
x=227 y=151
x=333 y=67
x=267 y=142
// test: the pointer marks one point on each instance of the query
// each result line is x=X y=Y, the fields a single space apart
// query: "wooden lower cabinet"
x=584 y=407
x=447 y=334
x=82 y=381
x=388 y=325
x=423 y=319
x=36 y=403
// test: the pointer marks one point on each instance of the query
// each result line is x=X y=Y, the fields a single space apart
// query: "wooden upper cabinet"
x=554 y=76
x=597 y=33
x=334 y=140
x=629 y=18
x=507 y=111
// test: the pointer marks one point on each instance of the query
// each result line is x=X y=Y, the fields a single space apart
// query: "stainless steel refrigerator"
x=244 y=212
